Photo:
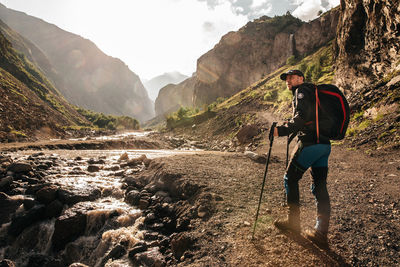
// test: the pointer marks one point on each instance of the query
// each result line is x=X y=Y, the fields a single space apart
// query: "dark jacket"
x=303 y=120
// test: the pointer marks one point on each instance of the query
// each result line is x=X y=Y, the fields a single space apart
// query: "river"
x=109 y=219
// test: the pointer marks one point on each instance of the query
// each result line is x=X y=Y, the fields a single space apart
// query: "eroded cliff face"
x=173 y=96
x=259 y=48
x=368 y=42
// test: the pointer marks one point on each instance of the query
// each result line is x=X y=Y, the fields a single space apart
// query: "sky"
x=157 y=36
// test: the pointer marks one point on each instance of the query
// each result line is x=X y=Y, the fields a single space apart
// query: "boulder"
x=137 y=248
x=254 y=156
x=29 y=180
x=25 y=219
x=47 y=194
x=133 y=197
x=152 y=257
x=19 y=167
x=144 y=202
x=180 y=243
x=246 y=133
x=42 y=167
x=8 y=206
x=29 y=203
x=93 y=161
x=137 y=161
x=54 y=209
x=5 y=182
x=124 y=157
x=7 y=263
x=67 y=228
x=33 y=188
x=93 y=168
x=116 y=253
x=72 y=196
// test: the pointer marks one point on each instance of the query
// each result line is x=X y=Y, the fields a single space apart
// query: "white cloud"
x=308 y=9
x=333 y=3
x=258 y=3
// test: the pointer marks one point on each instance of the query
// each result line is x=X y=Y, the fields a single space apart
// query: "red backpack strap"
x=317 y=103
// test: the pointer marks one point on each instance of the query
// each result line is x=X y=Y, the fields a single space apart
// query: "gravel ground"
x=364 y=190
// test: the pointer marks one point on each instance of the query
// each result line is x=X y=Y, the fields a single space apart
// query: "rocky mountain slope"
x=364 y=62
x=83 y=74
x=30 y=105
x=257 y=49
x=173 y=96
x=367 y=44
x=154 y=85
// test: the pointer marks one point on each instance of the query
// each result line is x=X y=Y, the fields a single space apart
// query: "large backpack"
x=332 y=112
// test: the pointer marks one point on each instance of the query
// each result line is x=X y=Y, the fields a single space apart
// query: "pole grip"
x=271 y=132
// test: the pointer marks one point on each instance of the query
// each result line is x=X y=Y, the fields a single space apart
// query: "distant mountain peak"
x=154 y=85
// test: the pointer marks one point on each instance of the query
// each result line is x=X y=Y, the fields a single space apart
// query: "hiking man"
x=311 y=151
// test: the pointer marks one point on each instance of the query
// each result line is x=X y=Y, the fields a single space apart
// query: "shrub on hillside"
x=182 y=117
x=109 y=122
x=291 y=60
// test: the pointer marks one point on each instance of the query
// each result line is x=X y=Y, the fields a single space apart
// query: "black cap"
x=291 y=72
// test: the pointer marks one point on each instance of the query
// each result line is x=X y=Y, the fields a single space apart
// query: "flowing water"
x=109 y=220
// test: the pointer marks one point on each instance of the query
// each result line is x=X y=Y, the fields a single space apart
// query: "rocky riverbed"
x=60 y=210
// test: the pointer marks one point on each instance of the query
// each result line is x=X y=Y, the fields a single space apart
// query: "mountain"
x=257 y=49
x=363 y=59
x=30 y=105
x=82 y=72
x=173 y=96
x=154 y=85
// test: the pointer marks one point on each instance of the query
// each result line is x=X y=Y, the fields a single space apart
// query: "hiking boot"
x=317 y=237
x=292 y=223
x=287 y=225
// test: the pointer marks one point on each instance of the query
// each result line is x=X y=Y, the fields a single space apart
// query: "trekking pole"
x=287 y=151
x=271 y=135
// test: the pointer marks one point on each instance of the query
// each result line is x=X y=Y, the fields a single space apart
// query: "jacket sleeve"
x=302 y=107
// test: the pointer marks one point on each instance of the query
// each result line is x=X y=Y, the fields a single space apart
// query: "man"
x=311 y=151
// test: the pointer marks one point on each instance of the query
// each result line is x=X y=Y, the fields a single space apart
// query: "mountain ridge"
x=30 y=106
x=82 y=72
x=154 y=85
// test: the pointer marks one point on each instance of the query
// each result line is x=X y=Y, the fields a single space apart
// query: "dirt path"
x=364 y=190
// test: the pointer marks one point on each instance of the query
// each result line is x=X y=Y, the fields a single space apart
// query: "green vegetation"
x=183 y=117
x=390 y=76
x=110 y=122
x=18 y=133
x=291 y=60
x=281 y=23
